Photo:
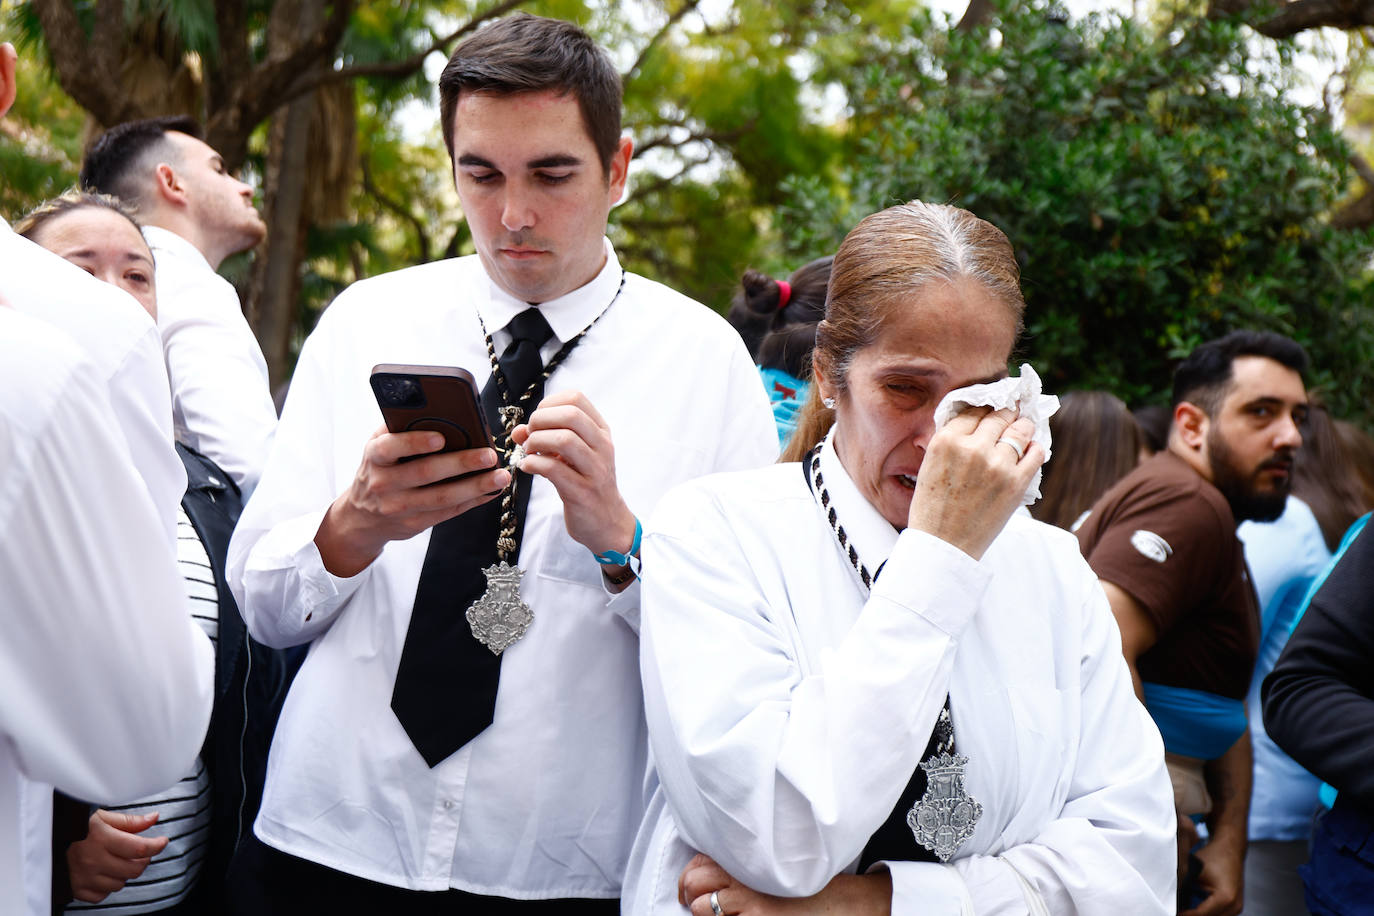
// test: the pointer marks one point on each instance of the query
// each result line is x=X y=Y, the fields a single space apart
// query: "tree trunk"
x=276 y=270
x=276 y=274
x=975 y=14
x=1358 y=214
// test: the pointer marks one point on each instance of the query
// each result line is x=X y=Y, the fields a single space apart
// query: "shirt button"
x=448 y=804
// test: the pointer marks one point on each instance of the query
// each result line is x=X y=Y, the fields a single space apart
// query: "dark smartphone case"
x=440 y=399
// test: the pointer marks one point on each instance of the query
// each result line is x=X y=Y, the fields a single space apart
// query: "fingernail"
x=490 y=458
x=434 y=441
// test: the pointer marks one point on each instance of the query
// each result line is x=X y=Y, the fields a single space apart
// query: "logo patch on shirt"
x=1151 y=545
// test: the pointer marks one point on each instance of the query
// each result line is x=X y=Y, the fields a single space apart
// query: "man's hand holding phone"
x=431 y=461
x=393 y=499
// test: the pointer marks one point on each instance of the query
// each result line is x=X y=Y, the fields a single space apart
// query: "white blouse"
x=788 y=708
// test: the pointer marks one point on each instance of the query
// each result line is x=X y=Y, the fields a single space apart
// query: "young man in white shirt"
x=91 y=588
x=195 y=214
x=534 y=802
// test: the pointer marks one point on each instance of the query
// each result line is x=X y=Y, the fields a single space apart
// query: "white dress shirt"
x=221 y=398
x=121 y=340
x=788 y=709
x=90 y=595
x=545 y=802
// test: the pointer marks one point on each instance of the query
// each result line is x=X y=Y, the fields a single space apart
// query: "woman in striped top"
x=166 y=853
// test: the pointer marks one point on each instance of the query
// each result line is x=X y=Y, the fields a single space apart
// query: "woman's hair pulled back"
x=1097 y=441
x=32 y=223
x=780 y=334
x=886 y=259
x=1326 y=475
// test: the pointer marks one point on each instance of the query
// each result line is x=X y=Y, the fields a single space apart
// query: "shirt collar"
x=167 y=240
x=568 y=314
x=871 y=535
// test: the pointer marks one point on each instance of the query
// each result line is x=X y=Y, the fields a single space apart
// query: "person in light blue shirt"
x=777 y=320
x=1284 y=557
x=1288 y=559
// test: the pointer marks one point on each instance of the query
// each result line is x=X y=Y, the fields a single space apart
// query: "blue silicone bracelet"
x=615 y=557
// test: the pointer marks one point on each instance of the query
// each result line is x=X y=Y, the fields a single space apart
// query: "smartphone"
x=440 y=399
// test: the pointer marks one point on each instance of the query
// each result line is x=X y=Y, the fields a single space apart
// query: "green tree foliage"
x=720 y=101
x=1160 y=190
x=40 y=144
x=723 y=106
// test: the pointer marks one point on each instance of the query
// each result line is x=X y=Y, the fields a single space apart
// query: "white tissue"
x=1019 y=394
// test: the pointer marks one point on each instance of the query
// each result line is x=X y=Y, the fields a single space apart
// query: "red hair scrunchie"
x=784 y=293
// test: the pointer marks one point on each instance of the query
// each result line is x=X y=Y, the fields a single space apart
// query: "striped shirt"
x=184 y=808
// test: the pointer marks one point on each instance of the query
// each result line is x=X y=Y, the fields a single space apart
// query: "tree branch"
x=1362 y=168
x=455 y=242
x=701 y=136
x=1300 y=15
x=397 y=208
x=687 y=7
x=396 y=69
x=84 y=67
x=109 y=21
x=661 y=182
x=1358 y=214
x=1218 y=9
x=975 y=15
x=231 y=34
x=264 y=89
x=629 y=252
x=642 y=223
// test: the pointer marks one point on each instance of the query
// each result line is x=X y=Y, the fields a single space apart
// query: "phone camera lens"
x=400 y=391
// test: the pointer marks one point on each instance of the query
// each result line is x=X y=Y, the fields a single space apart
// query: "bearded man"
x=1163 y=543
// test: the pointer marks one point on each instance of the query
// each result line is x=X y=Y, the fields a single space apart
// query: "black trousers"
x=266 y=882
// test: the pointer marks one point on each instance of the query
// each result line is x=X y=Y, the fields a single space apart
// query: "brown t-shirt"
x=1166 y=536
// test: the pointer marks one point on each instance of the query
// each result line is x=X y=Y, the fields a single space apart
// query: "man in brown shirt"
x=1163 y=542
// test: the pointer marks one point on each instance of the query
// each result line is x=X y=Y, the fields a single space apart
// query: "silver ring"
x=715 y=904
x=1020 y=450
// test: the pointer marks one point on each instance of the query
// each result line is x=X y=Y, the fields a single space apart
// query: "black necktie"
x=893 y=841
x=445 y=692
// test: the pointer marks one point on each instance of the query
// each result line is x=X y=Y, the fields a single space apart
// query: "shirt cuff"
x=290 y=545
x=926 y=889
x=625 y=603
x=934 y=579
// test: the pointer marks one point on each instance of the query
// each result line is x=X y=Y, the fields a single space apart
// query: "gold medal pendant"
x=499 y=618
